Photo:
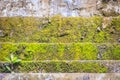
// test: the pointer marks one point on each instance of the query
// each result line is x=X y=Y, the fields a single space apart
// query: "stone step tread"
x=60 y=76
x=60 y=29
x=61 y=51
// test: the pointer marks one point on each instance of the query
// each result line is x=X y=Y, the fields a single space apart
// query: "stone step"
x=59 y=66
x=60 y=51
x=60 y=76
x=60 y=29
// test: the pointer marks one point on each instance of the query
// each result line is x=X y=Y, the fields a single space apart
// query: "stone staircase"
x=60 y=48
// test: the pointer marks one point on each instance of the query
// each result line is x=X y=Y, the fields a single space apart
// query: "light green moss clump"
x=69 y=51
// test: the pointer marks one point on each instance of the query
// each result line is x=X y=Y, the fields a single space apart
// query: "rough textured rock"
x=119 y=40
x=102 y=49
x=113 y=67
x=1 y=33
x=109 y=7
x=42 y=8
x=60 y=76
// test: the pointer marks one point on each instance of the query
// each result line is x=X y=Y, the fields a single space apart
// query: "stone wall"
x=41 y=8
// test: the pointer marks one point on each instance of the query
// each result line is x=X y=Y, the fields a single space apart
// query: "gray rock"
x=99 y=5
x=119 y=40
x=1 y=33
x=2 y=76
x=98 y=29
x=85 y=77
x=49 y=78
x=102 y=49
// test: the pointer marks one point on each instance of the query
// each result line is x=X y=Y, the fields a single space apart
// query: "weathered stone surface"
x=119 y=40
x=1 y=33
x=109 y=7
x=102 y=49
x=60 y=76
x=42 y=8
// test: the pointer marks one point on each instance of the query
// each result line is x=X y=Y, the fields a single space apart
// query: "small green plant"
x=12 y=60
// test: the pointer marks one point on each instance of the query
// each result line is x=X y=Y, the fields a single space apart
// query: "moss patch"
x=56 y=29
x=60 y=66
x=61 y=51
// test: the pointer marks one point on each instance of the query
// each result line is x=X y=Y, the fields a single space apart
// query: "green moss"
x=7 y=50
x=60 y=66
x=56 y=29
x=113 y=52
x=116 y=23
x=59 y=38
x=101 y=37
x=61 y=51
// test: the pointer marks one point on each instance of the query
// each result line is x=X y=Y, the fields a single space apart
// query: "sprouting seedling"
x=12 y=60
